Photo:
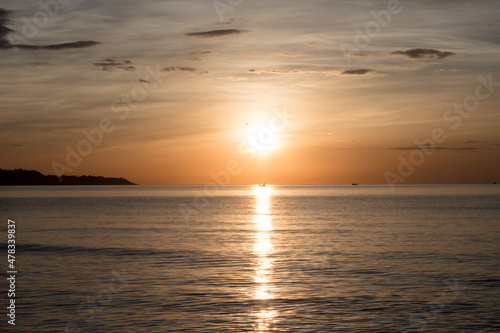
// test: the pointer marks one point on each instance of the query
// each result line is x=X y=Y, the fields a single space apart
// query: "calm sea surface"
x=254 y=259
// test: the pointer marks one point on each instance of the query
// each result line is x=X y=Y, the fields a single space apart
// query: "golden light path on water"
x=263 y=248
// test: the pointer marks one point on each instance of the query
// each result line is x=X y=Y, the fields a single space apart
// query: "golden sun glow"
x=261 y=138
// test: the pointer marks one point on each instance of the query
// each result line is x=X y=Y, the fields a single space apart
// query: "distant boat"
x=262 y=185
x=354 y=184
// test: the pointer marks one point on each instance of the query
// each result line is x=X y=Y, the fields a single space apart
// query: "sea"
x=416 y=258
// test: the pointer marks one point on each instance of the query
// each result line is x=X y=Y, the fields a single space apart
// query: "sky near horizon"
x=282 y=92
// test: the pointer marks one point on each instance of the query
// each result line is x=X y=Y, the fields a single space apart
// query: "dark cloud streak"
x=4 y=31
x=423 y=53
x=217 y=33
x=274 y=71
x=111 y=64
x=7 y=45
x=183 y=69
x=55 y=47
x=357 y=71
x=201 y=52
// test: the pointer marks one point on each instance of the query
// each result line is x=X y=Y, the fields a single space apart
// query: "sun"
x=261 y=138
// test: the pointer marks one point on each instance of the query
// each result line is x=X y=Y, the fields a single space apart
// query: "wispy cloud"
x=183 y=69
x=199 y=52
x=338 y=73
x=232 y=20
x=472 y=141
x=411 y=54
x=4 y=30
x=7 y=45
x=369 y=54
x=112 y=64
x=233 y=78
x=300 y=85
x=447 y=70
x=37 y=63
x=490 y=27
x=354 y=72
x=218 y=33
x=455 y=149
x=275 y=71
x=348 y=140
x=291 y=55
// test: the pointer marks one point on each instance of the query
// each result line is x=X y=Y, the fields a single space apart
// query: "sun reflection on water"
x=262 y=251
x=266 y=318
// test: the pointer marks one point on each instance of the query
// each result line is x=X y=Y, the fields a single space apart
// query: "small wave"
x=91 y=250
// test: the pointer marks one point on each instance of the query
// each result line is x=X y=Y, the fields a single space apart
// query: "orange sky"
x=320 y=92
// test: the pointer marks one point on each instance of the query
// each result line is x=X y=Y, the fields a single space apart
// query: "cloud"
x=199 y=52
x=249 y=54
x=275 y=71
x=7 y=45
x=473 y=141
x=111 y=64
x=490 y=27
x=232 y=20
x=351 y=72
x=57 y=47
x=42 y=61
x=424 y=53
x=357 y=71
x=348 y=140
x=354 y=72
x=183 y=69
x=300 y=85
x=368 y=54
x=447 y=70
x=424 y=56
x=217 y=33
x=37 y=63
x=233 y=78
x=455 y=149
x=291 y=55
x=4 y=20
